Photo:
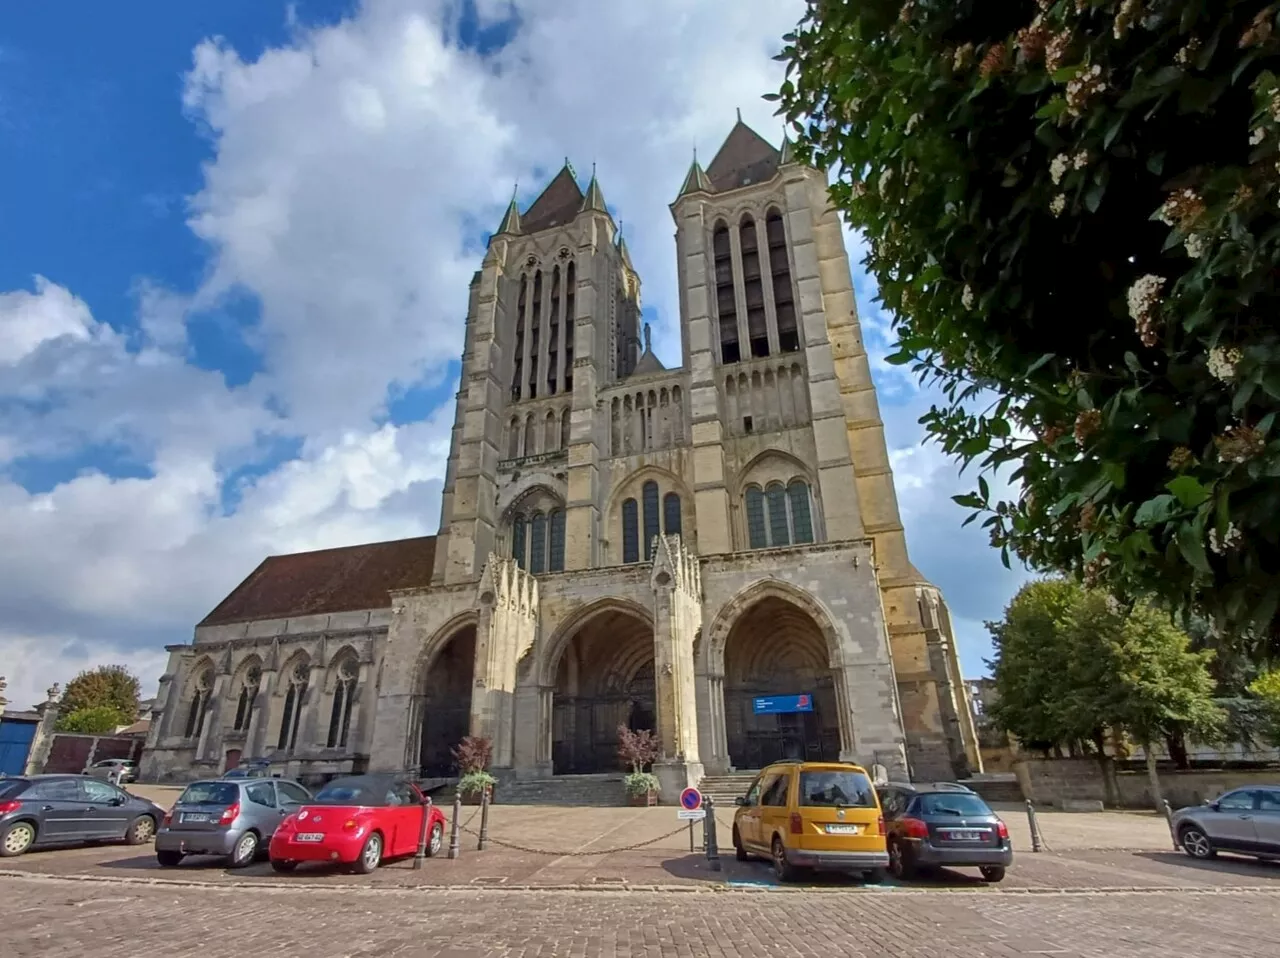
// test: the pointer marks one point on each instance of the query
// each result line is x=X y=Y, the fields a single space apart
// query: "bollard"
x=1168 y=817
x=455 y=831
x=422 y=833
x=1035 y=826
x=713 y=852
x=484 y=818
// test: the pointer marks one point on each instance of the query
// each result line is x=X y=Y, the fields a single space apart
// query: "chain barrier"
x=579 y=854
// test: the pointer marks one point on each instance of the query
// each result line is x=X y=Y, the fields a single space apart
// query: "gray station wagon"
x=233 y=819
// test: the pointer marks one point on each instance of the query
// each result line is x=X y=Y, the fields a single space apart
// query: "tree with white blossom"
x=1072 y=210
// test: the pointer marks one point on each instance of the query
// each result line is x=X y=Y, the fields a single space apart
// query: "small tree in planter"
x=473 y=755
x=638 y=750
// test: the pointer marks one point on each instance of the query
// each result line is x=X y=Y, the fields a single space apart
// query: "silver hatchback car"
x=234 y=819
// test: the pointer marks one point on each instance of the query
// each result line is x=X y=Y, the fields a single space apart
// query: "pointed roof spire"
x=696 y=180
x=739 y=114
x=511 y=218
x=624 y=253
x=788 y=154
x=594 y=198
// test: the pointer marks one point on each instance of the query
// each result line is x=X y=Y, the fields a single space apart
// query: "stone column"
x=209 y=747
x=508 y=600
x=532 y=757
x=677 y=615
x=257 y=743
x=42 y=743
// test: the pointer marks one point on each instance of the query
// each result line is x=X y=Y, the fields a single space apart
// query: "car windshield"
x=354 y=791
x=953 y=803
x=11 y=786
x=837 y=788
x=209 y=793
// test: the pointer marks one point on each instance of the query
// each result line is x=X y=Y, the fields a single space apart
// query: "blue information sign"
x=782 y=704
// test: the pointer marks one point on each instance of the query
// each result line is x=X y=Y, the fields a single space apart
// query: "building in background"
x=712 y=551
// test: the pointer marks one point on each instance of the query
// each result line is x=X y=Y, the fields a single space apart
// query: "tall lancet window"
x=518 y=368
x=553 y=339
x=726 y=309
x=535 y=334
x=570 y=289
x=783 y=299
x=753 y=288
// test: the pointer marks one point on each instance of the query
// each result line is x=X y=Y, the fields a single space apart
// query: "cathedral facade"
x=712 y=551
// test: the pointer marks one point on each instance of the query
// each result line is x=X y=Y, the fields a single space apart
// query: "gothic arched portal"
x=775 y=649
x=604 y=679
x=444 y=704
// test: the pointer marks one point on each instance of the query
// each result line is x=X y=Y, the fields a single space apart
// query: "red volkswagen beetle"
x=357 y=821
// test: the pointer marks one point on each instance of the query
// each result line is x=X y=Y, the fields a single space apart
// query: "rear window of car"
x=12 y=787
x=953 y=803
x=209 y=793
x=839 y=787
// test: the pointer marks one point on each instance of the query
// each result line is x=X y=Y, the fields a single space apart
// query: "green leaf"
x=1191 y=545
x=1155 y=511
x=1040 y=362
x=1114 y=471
x=1188 y=490
x=899 y=358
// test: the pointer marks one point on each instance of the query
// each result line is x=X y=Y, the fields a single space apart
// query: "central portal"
x=604 y=679
x=779 y=695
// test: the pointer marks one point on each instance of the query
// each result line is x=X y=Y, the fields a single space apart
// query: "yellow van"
x=820 y=815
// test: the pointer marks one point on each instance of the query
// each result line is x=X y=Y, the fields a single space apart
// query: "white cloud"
x=350 y=177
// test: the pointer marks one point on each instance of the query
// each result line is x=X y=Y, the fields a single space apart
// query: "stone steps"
x=723 y=789
x=996 y=788
x=594 y=790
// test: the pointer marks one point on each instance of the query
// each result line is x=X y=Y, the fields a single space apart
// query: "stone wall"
x=1050 y=781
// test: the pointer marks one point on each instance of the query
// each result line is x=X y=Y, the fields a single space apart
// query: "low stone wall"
x=1053 y=781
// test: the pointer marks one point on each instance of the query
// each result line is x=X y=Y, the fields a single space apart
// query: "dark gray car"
x=1245 y=821
x=37 y=810
x=943 y=825
x=231 y=818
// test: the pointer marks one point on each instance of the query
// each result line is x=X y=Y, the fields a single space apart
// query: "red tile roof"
x=330 y=580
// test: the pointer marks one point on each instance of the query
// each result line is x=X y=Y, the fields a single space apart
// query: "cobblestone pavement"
x=51 y=918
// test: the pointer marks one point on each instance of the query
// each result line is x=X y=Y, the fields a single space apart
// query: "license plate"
x=959 y=835
x=194 y=817
x=843 y=829
x=309 y=836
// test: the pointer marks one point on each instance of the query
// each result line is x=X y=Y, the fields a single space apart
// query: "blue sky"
x=237 y=246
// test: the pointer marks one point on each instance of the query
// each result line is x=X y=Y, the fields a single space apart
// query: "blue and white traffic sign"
x=691 y=799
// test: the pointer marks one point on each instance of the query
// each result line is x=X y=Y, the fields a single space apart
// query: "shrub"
x=473 y=754
x=637 y=749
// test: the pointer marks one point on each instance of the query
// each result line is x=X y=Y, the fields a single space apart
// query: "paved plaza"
x=51 y=918
x=587 y=882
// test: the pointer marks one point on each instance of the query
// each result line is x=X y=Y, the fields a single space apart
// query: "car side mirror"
x=740 y=801
x=118 y=800
x=1216 y=806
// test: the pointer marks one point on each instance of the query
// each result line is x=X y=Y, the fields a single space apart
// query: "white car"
x=128 y=770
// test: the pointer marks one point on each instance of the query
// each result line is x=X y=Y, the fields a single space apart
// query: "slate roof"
x=746 y=157
x=558 y=204
x=329 y=580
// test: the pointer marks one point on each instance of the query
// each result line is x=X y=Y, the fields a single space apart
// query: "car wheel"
x=738 y=851
x=435 y=841
x=169 y=859
x=283 y=865
x=16 y=839
x=370 y=855
x=901 y=865
x=142 y=831
x=992 y=873
x=781 y=867
x=1195 y=842
x=245 y=852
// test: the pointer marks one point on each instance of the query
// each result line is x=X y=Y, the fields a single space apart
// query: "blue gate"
x=15 y=745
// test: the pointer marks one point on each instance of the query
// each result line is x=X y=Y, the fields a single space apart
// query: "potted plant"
x=638 y=750
x=472 y=755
